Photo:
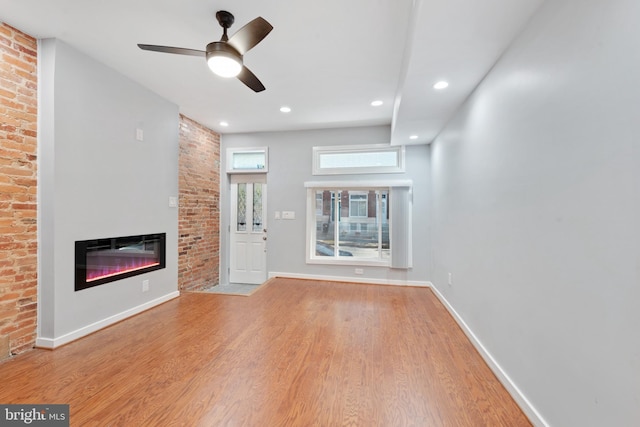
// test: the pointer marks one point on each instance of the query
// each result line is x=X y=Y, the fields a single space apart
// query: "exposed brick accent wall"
x=18 y=187
x=199 y=207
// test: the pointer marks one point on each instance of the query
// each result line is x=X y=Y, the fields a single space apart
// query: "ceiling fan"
x=224 y=57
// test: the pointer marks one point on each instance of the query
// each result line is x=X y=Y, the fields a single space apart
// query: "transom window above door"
x=248 y=160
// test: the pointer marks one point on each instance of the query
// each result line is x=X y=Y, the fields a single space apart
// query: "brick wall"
x=18 y=186
x=199 y=211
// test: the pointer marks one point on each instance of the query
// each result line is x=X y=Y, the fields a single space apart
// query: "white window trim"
x=350 y=149
x=232 y=151
x=358 y=185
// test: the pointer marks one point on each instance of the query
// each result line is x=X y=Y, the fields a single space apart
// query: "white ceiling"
x=327 y=59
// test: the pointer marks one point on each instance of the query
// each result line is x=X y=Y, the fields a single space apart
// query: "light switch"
x=277 y=215
x=139 y=134
x=173 y=202
x=288 y=215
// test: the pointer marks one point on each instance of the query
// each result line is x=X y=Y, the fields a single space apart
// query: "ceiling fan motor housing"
x=223 y=49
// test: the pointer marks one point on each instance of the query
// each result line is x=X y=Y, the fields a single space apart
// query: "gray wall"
x=537 y=210
x=96 y=180
x=290 y=155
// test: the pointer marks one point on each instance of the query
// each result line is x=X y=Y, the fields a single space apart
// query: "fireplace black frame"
x=84 y=246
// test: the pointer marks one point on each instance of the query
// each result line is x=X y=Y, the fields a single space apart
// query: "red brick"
x=18 y=188
x=25 y=40
x=7 y=94
x=26 y=74
x=12 y=59
x=8 y=50
x=199 y=188
x=11 y=104
x=8 y=297
x=6 y=30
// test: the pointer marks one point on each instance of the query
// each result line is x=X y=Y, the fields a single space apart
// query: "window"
x=358 y=206
x=247 y=160
x=350 y=225
x=359 y=223
x=356 y=159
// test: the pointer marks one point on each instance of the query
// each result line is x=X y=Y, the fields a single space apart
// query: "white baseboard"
x=51 y=343
x=350 y=279
x=526 y=406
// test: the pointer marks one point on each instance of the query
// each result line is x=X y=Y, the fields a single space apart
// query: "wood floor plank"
x=296 y=353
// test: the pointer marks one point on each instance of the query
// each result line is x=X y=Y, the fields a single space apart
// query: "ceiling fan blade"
x=169 y=49
x=250 y=79
x=250 y=35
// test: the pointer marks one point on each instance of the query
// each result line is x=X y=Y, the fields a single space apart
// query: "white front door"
x=248 y=240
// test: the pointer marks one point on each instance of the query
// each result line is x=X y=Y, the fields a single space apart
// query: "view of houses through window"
x=352 y=223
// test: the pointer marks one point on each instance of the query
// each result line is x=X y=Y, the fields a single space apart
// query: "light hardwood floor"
x=295 y=353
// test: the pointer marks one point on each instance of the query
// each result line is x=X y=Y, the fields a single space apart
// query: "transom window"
x=247 y=160
x=356 y=159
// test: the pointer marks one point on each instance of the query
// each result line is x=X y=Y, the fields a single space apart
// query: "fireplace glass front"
x=101 y=261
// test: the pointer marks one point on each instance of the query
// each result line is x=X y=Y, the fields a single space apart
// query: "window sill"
x=356 y=262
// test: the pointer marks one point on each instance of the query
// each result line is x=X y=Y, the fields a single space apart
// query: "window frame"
x=318 y=152
x=399 y=224
x=312 y=258
x=257 y=150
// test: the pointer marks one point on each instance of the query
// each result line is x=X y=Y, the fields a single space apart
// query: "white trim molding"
x=526 y=406
x=52 y=343
x=348 y=279
x=373 y=183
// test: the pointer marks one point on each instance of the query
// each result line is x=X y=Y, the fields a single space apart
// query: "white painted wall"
x=537 y=212
x=290 y=155
x=96 y=180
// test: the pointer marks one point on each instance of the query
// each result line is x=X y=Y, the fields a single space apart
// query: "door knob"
x=264 y=238
x=264 y=230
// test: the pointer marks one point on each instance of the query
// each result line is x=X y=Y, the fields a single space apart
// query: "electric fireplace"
x=101 y=261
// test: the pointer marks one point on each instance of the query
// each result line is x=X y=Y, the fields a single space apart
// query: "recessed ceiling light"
x=441 y=85
x=413 y=137
x=285 y=109
x=377 y=103
x=224 y=124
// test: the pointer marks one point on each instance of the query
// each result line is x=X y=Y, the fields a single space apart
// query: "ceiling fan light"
x=224 y=66
x=223 y=59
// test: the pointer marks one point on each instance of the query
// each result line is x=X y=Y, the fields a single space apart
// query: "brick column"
x=18 y=191
x=199 y=211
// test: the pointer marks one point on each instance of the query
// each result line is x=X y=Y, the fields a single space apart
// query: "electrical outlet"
x=450 y=279
x=145 y=285
x=359 y=271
